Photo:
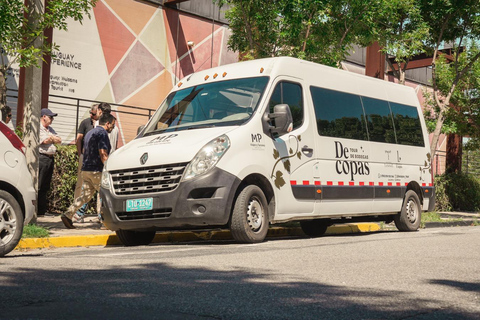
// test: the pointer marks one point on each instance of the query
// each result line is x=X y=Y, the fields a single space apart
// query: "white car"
x=17 y=194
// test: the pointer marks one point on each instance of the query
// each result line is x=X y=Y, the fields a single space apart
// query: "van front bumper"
x=202 y=202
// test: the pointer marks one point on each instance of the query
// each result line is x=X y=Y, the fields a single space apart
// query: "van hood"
x=164 y=148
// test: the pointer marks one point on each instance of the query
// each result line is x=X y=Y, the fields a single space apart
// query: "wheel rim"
x=8 y=223
x=255 y=214
x=412 y=211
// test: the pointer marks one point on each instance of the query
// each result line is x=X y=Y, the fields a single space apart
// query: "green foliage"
x=21 y=26
x=64 y=180
x=34 y=231
x=323 y=31
x=457 y=192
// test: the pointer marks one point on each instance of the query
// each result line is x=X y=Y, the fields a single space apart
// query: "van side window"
x=379 y=120
x=339 y=114
x=407 y=125
x=291 y=94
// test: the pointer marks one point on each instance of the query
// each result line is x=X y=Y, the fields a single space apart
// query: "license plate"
x=139 y=204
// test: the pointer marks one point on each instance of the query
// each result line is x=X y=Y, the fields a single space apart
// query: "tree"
x=400 y=31
x=323 y=31
x=463 y=116
x=21 y=31
x=455 y=23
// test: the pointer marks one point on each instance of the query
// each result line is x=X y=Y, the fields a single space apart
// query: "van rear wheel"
x=314 y=228
x=249 y=221
x=135 y=238
x=409 y=218
x=11 y=223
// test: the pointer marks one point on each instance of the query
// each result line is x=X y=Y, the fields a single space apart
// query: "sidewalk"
x=92 y=233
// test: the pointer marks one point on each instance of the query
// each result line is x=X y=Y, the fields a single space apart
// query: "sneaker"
x=67 y=222
x=78 y=219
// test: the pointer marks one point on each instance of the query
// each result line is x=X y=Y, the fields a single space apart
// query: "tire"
x=135 y=238
x=409 y=218
x=249 y=223
x=314 y=228
x=11 y=222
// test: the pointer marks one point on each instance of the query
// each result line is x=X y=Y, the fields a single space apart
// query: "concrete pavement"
x=92 y=233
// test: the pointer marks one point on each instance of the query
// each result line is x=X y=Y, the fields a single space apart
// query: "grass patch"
x=34 y=231
x=432 y=216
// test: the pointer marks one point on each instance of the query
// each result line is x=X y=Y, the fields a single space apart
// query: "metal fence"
x=470 y=162
x=71 y=111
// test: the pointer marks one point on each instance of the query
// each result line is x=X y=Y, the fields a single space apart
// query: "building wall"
x=131 y=53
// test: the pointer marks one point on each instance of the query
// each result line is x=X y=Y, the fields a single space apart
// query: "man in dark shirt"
x=95 y=152
x=85 y=126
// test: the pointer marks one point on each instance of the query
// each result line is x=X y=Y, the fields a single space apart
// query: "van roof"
x=312 y=73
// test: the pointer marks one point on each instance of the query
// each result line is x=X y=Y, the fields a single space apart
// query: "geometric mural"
x=134 y=52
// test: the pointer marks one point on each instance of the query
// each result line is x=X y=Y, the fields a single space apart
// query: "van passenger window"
x=338 y=114
x=291 y=94
x=407 y=125
x=379 y=120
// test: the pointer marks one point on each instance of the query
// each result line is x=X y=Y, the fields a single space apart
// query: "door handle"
x=306 y=149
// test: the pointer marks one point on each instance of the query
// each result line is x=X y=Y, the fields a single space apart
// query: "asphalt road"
x=429 y=274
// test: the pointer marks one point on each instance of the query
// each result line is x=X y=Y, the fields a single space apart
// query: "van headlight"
x=105 y=179
x=207 y=157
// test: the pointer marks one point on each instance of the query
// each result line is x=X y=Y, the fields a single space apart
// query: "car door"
x=294 y=152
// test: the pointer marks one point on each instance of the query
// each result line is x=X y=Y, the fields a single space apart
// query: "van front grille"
x=161 y=213
x=147 y=179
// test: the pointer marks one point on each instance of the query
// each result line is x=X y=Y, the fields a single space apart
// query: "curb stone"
x=181 y=236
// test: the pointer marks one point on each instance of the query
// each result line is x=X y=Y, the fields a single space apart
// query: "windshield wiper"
x=201 y=126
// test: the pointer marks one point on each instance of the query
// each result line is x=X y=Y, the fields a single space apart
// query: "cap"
x=48 y=112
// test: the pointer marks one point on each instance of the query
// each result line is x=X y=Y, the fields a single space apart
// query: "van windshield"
x=224 y=103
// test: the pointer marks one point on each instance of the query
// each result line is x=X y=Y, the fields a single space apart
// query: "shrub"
x=64 y=179
x=457 y=192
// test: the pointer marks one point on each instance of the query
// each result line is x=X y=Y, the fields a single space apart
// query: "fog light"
x=199 y=209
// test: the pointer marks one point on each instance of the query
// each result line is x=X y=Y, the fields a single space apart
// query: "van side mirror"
x=139 y=129
x=282 y=119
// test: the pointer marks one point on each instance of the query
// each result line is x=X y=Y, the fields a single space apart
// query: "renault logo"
x=144 y=158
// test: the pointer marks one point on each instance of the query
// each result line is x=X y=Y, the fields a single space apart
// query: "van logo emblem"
x=144 y=158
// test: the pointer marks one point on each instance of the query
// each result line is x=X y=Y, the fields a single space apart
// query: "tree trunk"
x=33 y=105
x=3 y=92
x=436 y=134
x=453 y=160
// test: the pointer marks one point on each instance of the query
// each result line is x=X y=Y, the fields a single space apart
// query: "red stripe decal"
x=389 y=184
x=340 y=183
x=361 y=183
x=371 y=183
x=317 y=183
x=293 y=182
x=351 y=183
x=329 y=183
x=380 y=183
x=398 y=184
x=306 y=182
x=424 y=184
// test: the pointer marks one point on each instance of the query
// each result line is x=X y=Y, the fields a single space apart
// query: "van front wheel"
x=135 y=238
x=409 y=218
x=250 y=216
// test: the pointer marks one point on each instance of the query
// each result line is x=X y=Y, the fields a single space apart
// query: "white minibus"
x=267 y=141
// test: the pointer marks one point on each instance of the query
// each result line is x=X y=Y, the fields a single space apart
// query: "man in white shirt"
x=47 y=149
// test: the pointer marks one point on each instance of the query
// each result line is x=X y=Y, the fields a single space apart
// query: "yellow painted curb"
x=181 y=236
x=70 y=241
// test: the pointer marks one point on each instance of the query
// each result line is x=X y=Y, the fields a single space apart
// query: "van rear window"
x=351 y=116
